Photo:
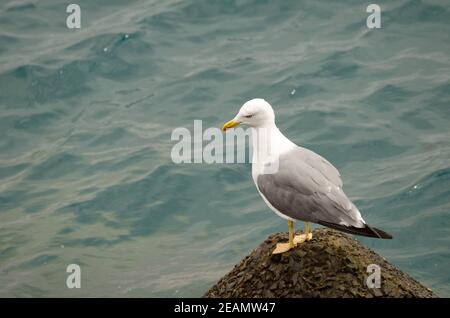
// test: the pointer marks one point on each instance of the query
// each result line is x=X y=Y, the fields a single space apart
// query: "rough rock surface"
x=332 y=264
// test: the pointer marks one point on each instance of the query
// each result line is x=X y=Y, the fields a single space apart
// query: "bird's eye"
x=248 y=116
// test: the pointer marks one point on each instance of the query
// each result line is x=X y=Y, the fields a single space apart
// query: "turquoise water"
x=86 y=118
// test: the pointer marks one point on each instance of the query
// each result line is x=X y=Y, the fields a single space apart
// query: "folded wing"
x=309 y=188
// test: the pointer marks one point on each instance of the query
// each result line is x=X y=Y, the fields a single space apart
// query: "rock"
x=332 y=264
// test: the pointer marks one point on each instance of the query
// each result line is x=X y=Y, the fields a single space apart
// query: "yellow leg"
x=308 y=234
x=284 y=247
x=291 y=233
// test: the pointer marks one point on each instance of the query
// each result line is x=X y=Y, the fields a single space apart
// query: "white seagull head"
x=256 y=113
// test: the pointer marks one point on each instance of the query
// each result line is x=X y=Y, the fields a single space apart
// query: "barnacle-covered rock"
x=332 y=264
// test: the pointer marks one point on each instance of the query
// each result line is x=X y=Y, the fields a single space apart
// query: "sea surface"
x=86 y=117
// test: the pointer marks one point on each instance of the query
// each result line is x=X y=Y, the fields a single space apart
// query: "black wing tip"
x=380 y=233
x=367 y=230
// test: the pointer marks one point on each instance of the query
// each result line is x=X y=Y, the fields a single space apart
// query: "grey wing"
x=320 y=164
x=307 y=187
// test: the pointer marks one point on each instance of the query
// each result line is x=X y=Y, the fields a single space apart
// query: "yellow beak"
x=232 y=123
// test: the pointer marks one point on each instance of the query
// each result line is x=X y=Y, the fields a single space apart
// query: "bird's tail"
x=363 y=231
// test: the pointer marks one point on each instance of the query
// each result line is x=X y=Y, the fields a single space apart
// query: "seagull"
x=295 y=182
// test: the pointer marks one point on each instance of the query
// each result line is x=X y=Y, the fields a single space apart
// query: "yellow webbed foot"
x=283 y=247
x=300 y=238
